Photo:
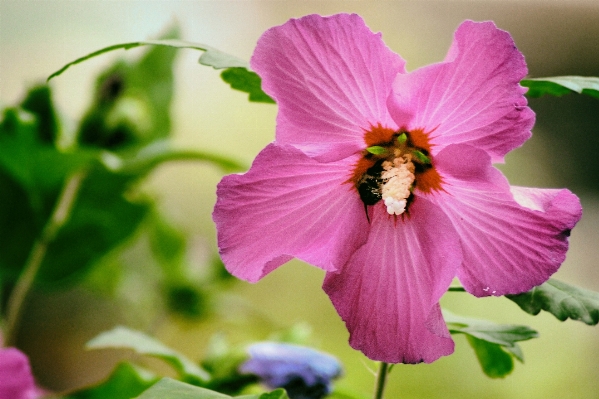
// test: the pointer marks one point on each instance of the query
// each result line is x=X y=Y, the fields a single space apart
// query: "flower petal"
x=288 y=205
x=512 y=238
x=16 y=380
x=331 y=78
x=388 y=292
x=473 y=97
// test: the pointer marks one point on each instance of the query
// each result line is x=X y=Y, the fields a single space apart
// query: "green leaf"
x=211 y=56
x=101 y=219
x=560 y=85
x=125 y=382
x=246 y=81
x=494 y=344
x=495 y=362
x=132 y=101
x=501 y=334
x=168 y=388
x=32 y=173
x=561 y=300
x=39 y=103
x=122 y=337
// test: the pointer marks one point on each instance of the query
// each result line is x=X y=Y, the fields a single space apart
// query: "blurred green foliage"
x=121 y=138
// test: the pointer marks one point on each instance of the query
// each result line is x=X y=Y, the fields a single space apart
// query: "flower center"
x=392 y=166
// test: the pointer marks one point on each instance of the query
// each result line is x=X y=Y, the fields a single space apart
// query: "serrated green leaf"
x=560 y=85
x=122 y=337
x=501 y=334
x=495 y=362
x=561 y=300
x=244 y=80
x=125 y=382
x=211 y=57
x=168 y=388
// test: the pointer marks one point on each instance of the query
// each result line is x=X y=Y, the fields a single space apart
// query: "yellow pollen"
x=398 y=177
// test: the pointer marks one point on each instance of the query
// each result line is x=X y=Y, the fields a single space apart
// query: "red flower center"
x=393 y=165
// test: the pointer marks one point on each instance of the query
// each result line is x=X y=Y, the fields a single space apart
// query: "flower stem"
x=59 y=217
x=381 y=379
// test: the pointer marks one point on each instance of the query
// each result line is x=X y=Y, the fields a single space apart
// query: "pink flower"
x=384 y=179
x=16 y=380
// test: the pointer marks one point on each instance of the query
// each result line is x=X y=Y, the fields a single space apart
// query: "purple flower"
x=16 y=380
x=304 y=372
x=384 y=179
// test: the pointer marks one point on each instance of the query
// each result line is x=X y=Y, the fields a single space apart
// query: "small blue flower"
x=303 y=372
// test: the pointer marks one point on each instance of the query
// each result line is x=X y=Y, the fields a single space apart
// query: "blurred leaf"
x=560 y=85
x=132 y=101
x=168 y=388
x=125 y=382
x=106 y=276
x=39 y=103
x=211 y=56
x=340 y=392
x=101 y=219
x=494 y=344
x=37 y=166
x=31 y=175
x=246 y=81
x=222 y=362
x=186 y=300
x=19 y=228
x=495 y=362
x=561 y=300
x=167 y=243
x=276 y=394
x=122 y=337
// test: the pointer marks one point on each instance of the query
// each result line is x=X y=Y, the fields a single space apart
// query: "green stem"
x=456 y=289
x=59 y=217
x=152 y=157
x=381 y=379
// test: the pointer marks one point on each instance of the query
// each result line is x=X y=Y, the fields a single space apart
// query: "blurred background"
x=556 y=37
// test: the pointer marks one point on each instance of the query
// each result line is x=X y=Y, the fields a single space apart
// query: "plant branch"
x=59 y=217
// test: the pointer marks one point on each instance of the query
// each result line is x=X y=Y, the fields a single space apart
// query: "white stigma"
x=398 y=177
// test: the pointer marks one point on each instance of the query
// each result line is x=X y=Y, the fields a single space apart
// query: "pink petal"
x=16 y=380
x=472 y=97
x=331 y=77
x=512 y=238
x=288 y=205
x=388 y=292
